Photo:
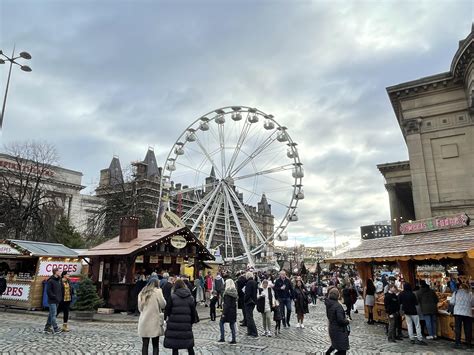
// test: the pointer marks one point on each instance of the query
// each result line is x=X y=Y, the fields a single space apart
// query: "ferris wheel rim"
x=279 y=226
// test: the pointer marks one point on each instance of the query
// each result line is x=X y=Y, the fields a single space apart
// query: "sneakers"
x=47 y=329
x=233 y=342
x=265 y=333
x=269 y=334
x=57 y=331
x=302 y=325
x=429 y=337
x=297 y=325
x=420 y=342
x=221 y=341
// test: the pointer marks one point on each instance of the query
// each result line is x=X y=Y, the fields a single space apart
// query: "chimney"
x=128 y=229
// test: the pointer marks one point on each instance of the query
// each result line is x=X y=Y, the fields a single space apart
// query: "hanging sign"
x=167 y=260
x=191 y=261
x=179 y=242
x=171 y=220
x=435 y=223
x=7 y=249
x=179 y=260
x=46 y=267
x=139 y=259
x=16 y=292
x=154 y=259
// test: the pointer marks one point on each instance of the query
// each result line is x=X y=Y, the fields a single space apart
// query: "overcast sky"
x=115 y=77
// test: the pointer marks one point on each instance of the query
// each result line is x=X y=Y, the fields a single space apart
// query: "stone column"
x=421 y=196
x=394 y=207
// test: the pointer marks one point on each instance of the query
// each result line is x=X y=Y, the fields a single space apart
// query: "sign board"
x=167 y=260
x=191 y=261
x=139 y=259
x=178 y=242
x=435 y=223
x=171 y=220
x=7 y=249
x=16 y=292
x=101 y=271
x=46 y=267
x=179 y=260
x=154 y=259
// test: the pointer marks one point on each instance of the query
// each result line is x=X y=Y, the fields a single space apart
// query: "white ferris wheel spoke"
x=222 y=146
x=265 y=172
x=257 y=231
x=193 y=209
x=238 y=147
x=214 y=223
x=208 y=156
x=254 y=193
x=194 y=188
x=213 y=193
x=239 y=228
x=264 y=145
x=227 y=227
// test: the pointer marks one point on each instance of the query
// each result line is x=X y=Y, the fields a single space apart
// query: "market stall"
x=27 y=265
x=117 y=264
x=436 y=250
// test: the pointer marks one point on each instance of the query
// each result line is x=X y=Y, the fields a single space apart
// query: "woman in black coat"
x=338 y=331
x=229 y=313
x=181 y=314
x=301 y=302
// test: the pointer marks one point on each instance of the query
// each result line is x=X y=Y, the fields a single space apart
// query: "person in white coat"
x=151 y=305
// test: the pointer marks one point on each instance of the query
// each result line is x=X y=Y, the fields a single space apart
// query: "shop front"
x=26 y=265
x=117 y=264
x=437 y=255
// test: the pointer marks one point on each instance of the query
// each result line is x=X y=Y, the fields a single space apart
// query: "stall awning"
x=42 y=248
x=452 y=243
x=145 y=239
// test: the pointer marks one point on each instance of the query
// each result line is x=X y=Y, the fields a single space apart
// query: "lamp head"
x=25 y=68
x=25 y=55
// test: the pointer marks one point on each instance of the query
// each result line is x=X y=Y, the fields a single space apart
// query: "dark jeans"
x=53 y=310
x=348 y=309
x=251 y=327
x=314 y=297
x=232 y=329
x=459 y=321
x=285 y=302
x=190 y=351
x=213 y=313
x=146 y=343
x=64 y=307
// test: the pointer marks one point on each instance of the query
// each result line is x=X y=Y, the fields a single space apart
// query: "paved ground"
x=22 y=334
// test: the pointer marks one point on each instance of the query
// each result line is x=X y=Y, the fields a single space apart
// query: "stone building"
x=64 y=186
x=436 y=117
x=144 y=183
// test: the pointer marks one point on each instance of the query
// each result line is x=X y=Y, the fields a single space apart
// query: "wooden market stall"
x=115 y=264
x=27 y=265
x=434 y=255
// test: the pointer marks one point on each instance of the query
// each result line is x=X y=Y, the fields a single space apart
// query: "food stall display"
x=27 y=265
x=430 y=254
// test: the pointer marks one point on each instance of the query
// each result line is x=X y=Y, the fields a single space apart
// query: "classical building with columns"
x=436 y=117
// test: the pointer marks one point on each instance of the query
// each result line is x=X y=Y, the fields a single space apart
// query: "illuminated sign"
x=435 y=223
x=46 y=267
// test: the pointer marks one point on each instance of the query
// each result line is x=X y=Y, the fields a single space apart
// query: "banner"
x=46 y=267
x=16 y=292
x=435 y=223
x=7 y=249
x=154 y=259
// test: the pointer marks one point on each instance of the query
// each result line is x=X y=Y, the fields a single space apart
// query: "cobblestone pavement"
x=22 y=334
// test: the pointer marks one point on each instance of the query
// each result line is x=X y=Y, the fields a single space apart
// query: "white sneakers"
x=429 y=337
x=269 y=334
x=297 y=325
x=302 y=325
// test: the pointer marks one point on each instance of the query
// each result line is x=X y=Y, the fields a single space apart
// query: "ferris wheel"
x=234 y=176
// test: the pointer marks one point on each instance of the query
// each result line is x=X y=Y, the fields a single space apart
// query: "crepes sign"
x=435 y=223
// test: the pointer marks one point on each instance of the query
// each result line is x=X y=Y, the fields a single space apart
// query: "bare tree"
x=28 y=200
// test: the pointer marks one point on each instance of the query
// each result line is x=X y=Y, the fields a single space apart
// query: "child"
x=212 y=305
x=277 y=317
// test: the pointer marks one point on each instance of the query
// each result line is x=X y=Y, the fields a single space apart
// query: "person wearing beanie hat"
x=65 y=304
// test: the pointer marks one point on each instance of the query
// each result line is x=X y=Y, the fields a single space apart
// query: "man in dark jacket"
x=240 y=284
x=167 y=288
x=55 y=296
x=250 y=300
x=392 y=307
x=284 y=293
x=408 y=303
x=429 y=308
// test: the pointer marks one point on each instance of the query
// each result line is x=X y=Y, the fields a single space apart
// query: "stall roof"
x=451 y=243
x=45 y=249
x=145 y=238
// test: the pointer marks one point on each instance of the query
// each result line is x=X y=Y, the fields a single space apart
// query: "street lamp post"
x=12 y=60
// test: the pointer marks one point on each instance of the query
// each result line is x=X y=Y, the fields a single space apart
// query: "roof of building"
x=44 y=249
x=152 y=166
x=450 y=243
x=147 y=238
x=115 y=170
